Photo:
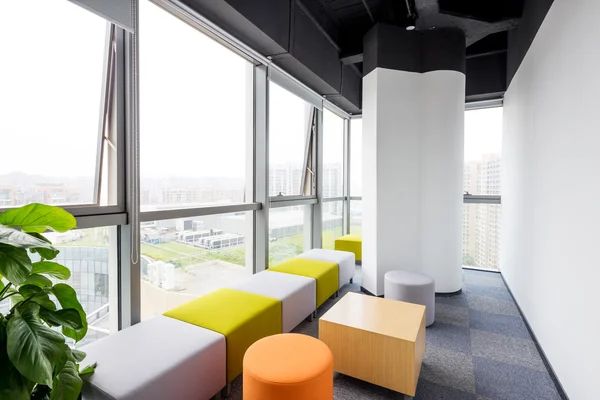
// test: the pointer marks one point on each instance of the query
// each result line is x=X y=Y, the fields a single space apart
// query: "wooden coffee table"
x=377 y=340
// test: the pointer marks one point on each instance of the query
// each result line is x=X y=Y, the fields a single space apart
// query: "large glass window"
x=51 y=81
x=195 y=116
x=333 y=178
x=91 y=258
x=356 y=157
x=188 y=257
x=289 y=139
x=356 y=217
x=483 y=151
x=289 y=232
x=481 y=235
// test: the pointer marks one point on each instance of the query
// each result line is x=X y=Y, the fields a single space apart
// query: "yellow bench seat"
x=351 y=243
x=243 y=318
x=325 y=273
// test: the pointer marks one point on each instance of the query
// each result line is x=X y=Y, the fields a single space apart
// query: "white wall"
x=413 y=130
x=551 y=192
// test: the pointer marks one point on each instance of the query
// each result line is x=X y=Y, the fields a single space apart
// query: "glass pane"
x=81 y=250
x=356 y=157
x=483 y=151
x=195 y=116
x=288 y=128
x=481 y=235
x=289 y=232
x=188 y=257
x=333 y=155
x=356 y=217
x=51 y=82
x=333 y=222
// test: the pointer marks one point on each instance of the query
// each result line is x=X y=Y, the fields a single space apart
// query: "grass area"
x=182 y=255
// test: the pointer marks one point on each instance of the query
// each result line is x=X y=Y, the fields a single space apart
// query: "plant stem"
x=5 y=289
x=12 y=294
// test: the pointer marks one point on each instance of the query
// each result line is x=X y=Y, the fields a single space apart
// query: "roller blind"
x=116 y=11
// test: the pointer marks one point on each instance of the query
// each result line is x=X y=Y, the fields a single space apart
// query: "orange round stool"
x=288 y=367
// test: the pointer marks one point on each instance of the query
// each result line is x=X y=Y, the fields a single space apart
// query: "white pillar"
x=413 y=130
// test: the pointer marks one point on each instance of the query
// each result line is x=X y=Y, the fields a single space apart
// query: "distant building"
x=481 y=222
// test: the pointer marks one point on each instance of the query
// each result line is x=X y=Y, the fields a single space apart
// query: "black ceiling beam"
x=487 y=11
x=352 y=59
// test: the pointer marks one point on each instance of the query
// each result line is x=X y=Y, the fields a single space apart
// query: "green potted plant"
x=35 y=360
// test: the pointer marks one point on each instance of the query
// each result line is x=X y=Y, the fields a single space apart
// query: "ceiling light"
x=411 y=23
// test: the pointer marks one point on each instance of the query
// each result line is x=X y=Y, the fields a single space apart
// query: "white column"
x=413 y=130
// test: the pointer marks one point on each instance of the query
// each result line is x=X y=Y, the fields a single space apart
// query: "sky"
x=50 y=85
x=194 y=118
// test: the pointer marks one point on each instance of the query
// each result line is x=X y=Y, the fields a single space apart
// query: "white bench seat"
x=345 y=260
x=161 y=358
x=296 y=293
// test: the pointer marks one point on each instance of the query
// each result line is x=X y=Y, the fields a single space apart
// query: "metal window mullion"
x=129 y=235
x=482 y=199
x=346 y=176
x=261 y=168
x=291 y=203
x=317 y=208
x=149 y=216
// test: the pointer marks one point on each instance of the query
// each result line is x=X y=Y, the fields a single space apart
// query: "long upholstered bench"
x=194 y=350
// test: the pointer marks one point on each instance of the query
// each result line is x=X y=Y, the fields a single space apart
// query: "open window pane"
x=289 y=232
x=51 y=80
x=289 y=119
x=356 y=157
x=196 y=112
x=185 y=258
x=333 y=222
x=483 y=151
x=481 y=235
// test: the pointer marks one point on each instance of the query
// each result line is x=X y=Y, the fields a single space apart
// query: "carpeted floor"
x=478 y=349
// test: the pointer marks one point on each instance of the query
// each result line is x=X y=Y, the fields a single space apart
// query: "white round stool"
x=412 y=287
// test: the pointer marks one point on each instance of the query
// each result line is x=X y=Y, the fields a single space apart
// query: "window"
x=483 y=152
x=188 y=257
x=333 y=222
x=91 y=258
x=290 y=143
x=195 y=116
x=333 y=178
x=289 y=232
x=52 y=83
x=356 y=217
x=481 y=235
x=356 y=157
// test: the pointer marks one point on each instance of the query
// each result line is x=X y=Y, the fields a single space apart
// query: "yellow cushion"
x=325 y=273
x=243 y=318
x=351 y=243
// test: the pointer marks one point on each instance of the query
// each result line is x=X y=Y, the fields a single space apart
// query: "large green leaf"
x=38 y=280
x=32 y=347
x=17 y=238
x=68 y=299
x=15 y=264
x=12 y=384
x=38 y=218
x=45 y=253
x=78 y=355
x=68 y=317
x=52 y=269
x=67 y=384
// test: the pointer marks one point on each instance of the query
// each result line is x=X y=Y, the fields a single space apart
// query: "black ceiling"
x=484 y=22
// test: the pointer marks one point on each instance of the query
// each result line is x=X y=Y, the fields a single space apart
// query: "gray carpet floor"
x=478 y=349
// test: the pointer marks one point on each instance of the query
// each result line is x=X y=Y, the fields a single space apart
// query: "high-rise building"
x=481 y=222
